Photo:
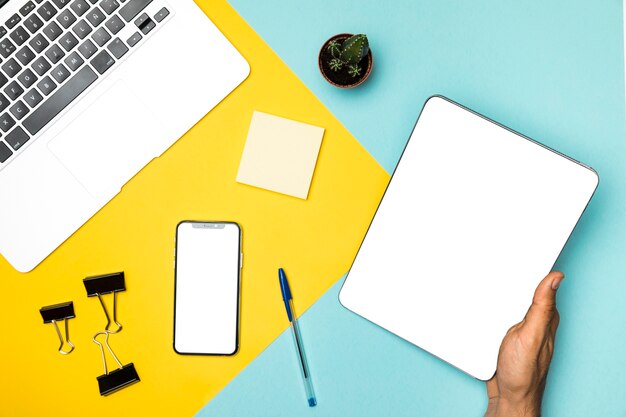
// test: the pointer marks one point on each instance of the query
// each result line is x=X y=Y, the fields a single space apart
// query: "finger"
x=492 y=388
x=542 y=309
x=554 y=324
x=551 y=335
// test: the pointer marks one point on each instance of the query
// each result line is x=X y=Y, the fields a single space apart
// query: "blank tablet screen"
x=472 y=220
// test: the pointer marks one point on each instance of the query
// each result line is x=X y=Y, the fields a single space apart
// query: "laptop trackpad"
x=109 y=142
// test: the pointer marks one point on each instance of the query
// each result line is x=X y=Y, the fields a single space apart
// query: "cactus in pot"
x=348 y=53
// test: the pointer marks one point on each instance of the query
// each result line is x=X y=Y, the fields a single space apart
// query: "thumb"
x=493 y=392
x=542 y=309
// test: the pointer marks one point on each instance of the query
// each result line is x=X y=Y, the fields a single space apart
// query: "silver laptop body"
x=90 y=92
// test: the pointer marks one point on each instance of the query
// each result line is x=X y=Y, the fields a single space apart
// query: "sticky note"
x=280 y=154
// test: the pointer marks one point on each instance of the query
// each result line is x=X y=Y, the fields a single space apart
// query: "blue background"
x=553 y=71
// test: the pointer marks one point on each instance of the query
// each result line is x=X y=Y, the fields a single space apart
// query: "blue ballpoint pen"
x=297 y=338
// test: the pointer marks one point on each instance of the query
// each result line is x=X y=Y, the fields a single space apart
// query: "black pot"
x=341 y=78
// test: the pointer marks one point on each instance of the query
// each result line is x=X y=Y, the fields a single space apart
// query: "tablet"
x=474 y=217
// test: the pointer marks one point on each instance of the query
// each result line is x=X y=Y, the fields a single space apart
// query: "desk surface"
x=195 y=180
x=551 y=71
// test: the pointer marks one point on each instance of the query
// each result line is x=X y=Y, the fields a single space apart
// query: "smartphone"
x=207 y=271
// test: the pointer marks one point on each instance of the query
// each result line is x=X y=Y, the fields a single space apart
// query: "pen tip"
x=312 y=402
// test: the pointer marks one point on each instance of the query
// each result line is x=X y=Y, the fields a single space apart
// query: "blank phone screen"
x=206 y=308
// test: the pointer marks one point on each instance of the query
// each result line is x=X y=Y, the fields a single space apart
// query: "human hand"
x=525 y=354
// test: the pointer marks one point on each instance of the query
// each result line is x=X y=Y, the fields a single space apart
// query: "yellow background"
x=314 y=240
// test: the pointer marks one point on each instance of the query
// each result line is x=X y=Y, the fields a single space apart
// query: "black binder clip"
x=106 y=284
x=60 y=312
x=119 y=378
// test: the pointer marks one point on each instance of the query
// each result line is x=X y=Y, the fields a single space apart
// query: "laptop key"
x=145 y=24
x=3 y=80
x=109 y=6
x=6 y=122
x=95 y=17
x=80 y=7
x=114 y=24
x=33 y=23
x=141 y=19
x=19 y=35
x=82 y=29
x=117 y=48
x=55 y=53
x=19 y=110
x=74 y=61
x=13 y=20
x=32 y=98
x=101 y=36
x=58 y=101
x=39 y=43
x=27 y=78
x=161 y=14
x=41 y=65
x=68 y=41
x=6 y=47
x=66 y=18
x=17 y=138
x=4 y=102
x=133 y=40
x=102 y=62
x=3 y=31
x=52 y=31
x=27 y=8
x=25 y=55
x=87 y=49
x=11 y=67
x=47 y=11
x=61 y=3
x=60 y=73
x=5 y=152
x=46 y=85
x=13 y=90
x=133 y=8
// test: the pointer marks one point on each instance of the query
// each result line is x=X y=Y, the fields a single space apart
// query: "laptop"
x=90 y=92
x=474 y=217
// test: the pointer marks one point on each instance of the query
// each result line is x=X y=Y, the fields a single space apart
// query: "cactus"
x=349 y=53
x=354 y=70
x=335 y=64
x=354 y=49
x=334 y=48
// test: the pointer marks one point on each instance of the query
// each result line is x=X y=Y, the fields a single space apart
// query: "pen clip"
x=286 y=291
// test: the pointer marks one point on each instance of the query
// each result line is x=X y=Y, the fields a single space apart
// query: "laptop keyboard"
x=52 y=51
